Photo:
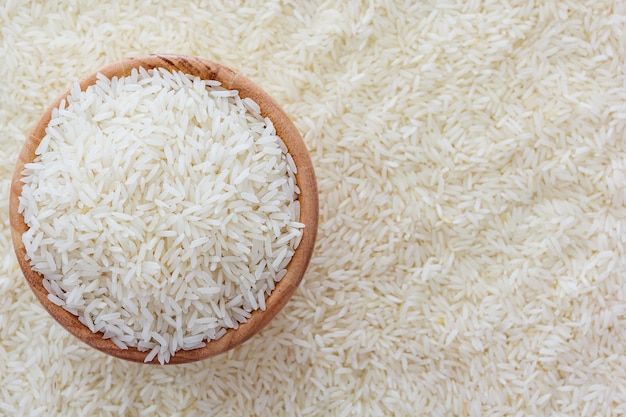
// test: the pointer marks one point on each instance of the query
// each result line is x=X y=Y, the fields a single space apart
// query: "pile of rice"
x=471 y=164
x=161 y=208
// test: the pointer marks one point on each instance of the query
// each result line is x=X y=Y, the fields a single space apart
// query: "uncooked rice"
x=471 y=164
x=142 y=214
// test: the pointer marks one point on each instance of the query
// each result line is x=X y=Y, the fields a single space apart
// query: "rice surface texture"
x=471 y=165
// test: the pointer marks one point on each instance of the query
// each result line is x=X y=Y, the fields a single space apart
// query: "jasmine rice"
x=162 y=209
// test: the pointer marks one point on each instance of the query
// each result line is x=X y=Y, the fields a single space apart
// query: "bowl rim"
x=305 y=178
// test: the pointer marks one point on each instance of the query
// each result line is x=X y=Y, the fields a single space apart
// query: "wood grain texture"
x=305 y=179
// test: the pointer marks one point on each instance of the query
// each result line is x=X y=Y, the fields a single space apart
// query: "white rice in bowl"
x=161 y=208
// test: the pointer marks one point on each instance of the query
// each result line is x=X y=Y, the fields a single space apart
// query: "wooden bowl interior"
x=308 y=200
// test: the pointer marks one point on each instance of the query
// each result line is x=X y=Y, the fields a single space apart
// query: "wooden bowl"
x=308 y=200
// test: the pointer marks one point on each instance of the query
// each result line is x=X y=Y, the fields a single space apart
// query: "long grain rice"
x=471 y=167
x=148 y=205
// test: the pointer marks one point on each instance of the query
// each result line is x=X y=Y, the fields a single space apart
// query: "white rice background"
x=471 y=159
